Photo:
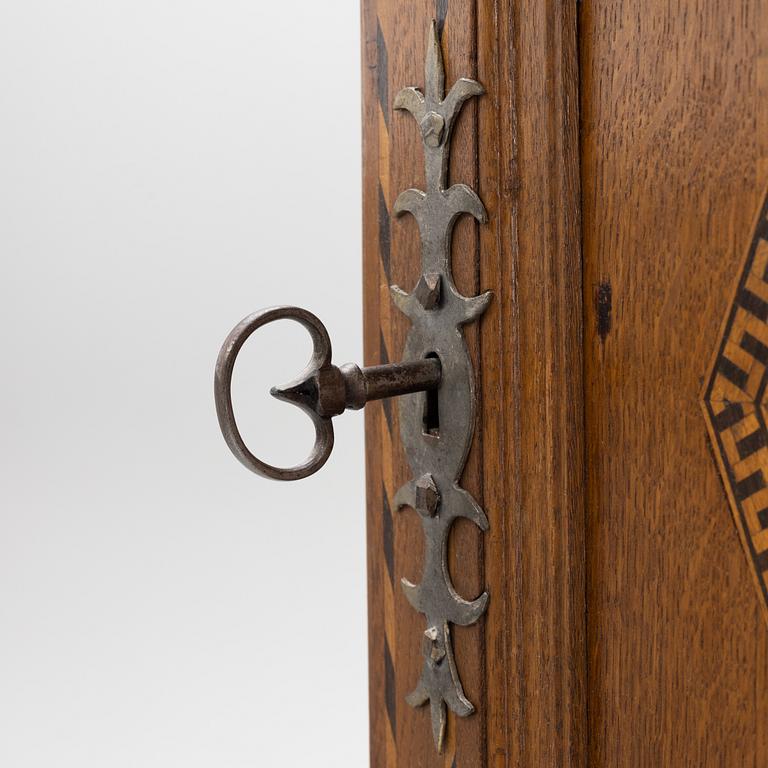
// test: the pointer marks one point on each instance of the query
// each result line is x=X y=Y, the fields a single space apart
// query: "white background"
x=167 y=167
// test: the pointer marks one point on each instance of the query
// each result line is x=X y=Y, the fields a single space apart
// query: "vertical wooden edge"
x=532 y=384
x=573 y=484
x=376 y=655
x=575 y=675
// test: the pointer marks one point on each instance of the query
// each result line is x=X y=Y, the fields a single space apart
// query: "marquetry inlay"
x=736 y=405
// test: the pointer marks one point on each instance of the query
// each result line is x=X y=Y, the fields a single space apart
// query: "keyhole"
x=431 y=421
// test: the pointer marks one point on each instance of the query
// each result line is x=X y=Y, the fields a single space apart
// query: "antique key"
x=322 y=390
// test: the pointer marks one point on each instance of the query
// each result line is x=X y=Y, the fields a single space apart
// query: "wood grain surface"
x=598 y=352
x=523 y=665
x=674 y=146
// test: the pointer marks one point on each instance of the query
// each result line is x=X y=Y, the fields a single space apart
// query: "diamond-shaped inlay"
x=736 y=405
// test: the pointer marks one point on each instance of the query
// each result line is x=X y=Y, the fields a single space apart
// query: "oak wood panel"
x=523 y=665
x=531 y=347
x=674 y=140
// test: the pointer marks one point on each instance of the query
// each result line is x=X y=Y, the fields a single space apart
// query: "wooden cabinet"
x=620 y=453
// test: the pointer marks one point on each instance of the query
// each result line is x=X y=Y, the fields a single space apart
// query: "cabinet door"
x=674 y=115
x=621 y=450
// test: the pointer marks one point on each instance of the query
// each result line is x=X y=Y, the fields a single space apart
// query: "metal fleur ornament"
x=437 y=433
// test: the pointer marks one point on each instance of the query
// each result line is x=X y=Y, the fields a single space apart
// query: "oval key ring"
x=225 y=363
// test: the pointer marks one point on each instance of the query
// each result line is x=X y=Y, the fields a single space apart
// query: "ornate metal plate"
x=437 y=455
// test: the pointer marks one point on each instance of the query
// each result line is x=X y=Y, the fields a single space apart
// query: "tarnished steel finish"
x=401 y=378
x=437 y=312
x=322 y=390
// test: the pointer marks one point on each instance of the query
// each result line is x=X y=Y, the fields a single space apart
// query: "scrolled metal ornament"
x=438 y=312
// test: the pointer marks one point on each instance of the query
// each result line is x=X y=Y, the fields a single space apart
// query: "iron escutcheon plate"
x=438 y=312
